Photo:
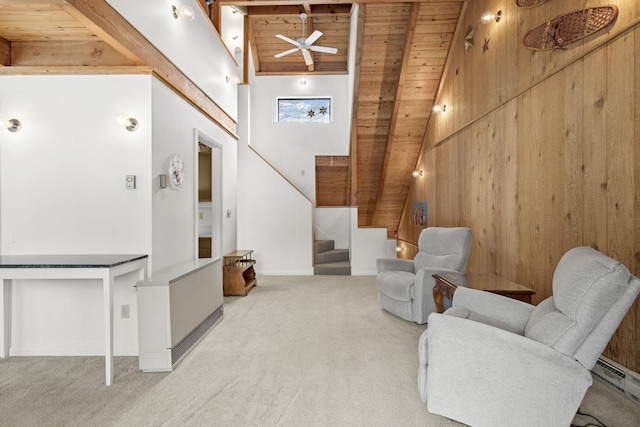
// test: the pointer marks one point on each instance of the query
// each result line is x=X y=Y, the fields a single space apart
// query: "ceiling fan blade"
x=313 y=37
x=324 y=49
x=307 y=57
x=286 y=52
x=287 y=39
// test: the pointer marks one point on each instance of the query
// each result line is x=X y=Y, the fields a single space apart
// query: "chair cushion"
x=586 y=284
x=396 y=284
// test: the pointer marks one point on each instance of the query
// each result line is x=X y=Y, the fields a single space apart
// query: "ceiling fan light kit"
x=305 y=44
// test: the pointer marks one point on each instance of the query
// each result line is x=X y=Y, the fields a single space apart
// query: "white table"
x=104 y=267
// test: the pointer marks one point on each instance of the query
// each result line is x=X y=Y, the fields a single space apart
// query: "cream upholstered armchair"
x=405 y=287
x=493 y=361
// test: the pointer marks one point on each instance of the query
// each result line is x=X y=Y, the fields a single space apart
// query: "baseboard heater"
x=617 y=376
x=177 y=307
x=187 y=344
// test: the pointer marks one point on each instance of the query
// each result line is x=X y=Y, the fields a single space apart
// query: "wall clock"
x=176 y=172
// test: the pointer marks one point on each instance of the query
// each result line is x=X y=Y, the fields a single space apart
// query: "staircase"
x=330 y=261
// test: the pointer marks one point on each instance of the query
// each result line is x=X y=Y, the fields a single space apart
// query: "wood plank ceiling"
x=402 y=49
x=265 y=21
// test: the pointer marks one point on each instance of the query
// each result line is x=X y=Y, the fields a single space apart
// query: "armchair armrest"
x=396 y=264
x=485 y=376
x=505 y=310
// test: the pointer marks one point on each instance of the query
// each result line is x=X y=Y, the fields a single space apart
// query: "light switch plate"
x=130 y=182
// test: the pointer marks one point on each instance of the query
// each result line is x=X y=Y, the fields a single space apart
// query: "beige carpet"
x=298 y=351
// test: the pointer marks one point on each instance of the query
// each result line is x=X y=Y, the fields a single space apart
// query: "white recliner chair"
x=405 y=287
x=493 y=361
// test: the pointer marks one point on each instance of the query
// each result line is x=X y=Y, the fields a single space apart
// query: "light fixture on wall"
x=489 y=17
x=440 y=108
x=303 y=81
x=12 y=125
x=131 y=124
x=416 y=174
x=399 y=248
x=184 y=13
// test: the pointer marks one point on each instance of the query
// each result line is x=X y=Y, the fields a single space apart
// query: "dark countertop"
x=67 y=261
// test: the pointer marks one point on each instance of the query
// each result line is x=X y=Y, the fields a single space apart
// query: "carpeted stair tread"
x=330 y=261
x=333 y=255
x=341 y=268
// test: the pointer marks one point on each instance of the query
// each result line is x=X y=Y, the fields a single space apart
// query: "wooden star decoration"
x=485 y=46
x=469 y=39
x=311 y=113
x=323 y=110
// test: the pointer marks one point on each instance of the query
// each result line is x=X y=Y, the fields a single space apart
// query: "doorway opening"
x=209 y=197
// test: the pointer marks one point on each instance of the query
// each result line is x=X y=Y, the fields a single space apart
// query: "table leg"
x=437 y=298
x=5 y=318
x=107 y=285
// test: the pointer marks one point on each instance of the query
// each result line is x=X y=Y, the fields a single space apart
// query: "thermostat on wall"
x=130 y=182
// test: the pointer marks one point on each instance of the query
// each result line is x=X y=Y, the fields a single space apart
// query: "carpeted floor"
x=298 y=351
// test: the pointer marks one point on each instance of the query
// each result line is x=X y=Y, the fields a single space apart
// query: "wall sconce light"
x=13 y=125
x=440 y=108
x=129 y=124
x=399 y=248
x=416 y=174
x=489 y=16
x=184 y=13
x=303 y=81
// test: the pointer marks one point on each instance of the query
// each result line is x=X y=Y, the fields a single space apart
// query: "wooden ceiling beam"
x=5 y=52
x=406 y=49
x=75 y=70
x=66 y=53
x=251 y=3
x=355 y=127
x=309 y=25
x=250 y=35
x=297 y=9
x=276 y=10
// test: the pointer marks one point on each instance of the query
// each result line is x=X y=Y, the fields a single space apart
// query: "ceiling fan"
x=305 y=44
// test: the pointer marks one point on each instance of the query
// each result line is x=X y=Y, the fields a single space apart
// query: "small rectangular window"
x=304 y=110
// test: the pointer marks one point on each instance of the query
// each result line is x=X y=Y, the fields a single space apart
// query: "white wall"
x=274 y=219
x=192 y=46
x=367 y=245
x=291 y=147
x=174 y=212
x=333 y=224
x=62 y=191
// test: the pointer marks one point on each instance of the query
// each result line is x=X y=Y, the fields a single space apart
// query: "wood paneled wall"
x=539 y=152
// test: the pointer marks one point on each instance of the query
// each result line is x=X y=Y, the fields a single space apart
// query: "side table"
x=446 y=284
x=238 y=275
